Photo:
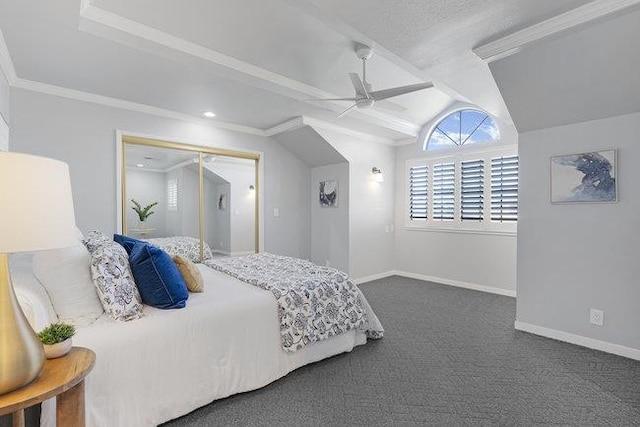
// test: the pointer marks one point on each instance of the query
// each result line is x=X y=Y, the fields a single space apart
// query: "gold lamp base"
x=21 y=352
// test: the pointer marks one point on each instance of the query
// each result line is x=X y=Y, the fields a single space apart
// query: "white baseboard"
x=620 y=350
x=457 y=283
x=450 y=282
x=365 y=279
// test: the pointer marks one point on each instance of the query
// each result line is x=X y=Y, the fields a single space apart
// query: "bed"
x=159 y=367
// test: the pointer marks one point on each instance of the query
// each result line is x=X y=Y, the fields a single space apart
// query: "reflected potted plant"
x=143 y=212
x=56 y=339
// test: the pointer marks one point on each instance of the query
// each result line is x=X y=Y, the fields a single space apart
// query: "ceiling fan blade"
x=347 y=110
x=358 y=85
x=331 y=99
x=388 y=105
x=379 y=95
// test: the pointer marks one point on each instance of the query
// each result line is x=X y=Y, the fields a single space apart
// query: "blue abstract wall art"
x=584 y=177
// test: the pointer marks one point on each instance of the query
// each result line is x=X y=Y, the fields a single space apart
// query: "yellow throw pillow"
x=190 y=273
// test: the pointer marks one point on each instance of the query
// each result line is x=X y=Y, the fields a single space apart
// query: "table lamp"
x=36 y=213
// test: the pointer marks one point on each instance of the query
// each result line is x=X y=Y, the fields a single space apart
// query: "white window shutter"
x=444 y=191
x=504 y=188
x=472 y=190
x=418 y=192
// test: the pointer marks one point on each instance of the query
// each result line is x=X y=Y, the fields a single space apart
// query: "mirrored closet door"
x=189 y=195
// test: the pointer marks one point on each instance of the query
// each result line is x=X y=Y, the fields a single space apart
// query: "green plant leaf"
x=56 y=333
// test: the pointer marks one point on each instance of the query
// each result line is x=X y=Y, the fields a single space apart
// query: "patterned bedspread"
x=314 y=302
x=188 y=247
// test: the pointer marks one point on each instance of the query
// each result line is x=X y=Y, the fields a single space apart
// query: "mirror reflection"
x=229 y=205
x=162 y=199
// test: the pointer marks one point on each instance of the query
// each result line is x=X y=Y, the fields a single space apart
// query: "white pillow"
x=66 y=275
x=31 y=296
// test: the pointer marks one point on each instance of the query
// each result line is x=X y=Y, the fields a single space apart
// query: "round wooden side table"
x=62 y=378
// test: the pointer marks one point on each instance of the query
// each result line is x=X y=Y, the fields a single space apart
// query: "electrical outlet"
x=596 y=317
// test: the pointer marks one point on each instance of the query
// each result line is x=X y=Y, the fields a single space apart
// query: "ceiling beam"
x=301 y=121
x=513 y=43
x=132 y=33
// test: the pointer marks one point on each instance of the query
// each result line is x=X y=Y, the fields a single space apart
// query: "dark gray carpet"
x=450 y=356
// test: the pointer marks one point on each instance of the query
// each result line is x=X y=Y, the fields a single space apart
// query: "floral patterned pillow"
x=95 y=239
x=188 y=247
x=113 y=279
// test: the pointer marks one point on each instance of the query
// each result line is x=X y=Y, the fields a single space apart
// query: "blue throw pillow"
x=126 y=242
x=158 y=279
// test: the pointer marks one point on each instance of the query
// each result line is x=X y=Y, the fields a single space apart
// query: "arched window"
x=465 y=189
x=463 y=127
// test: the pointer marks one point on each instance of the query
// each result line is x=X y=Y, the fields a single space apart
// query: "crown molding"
x=6 y=63
x=288 y=126
x=128 y=105
x=513 y=43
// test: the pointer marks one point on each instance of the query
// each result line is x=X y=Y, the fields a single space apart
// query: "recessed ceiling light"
x=140 y=165
x=209 y=114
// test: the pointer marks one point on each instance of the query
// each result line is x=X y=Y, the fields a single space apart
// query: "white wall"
x=4 y=113
x=473 y=259
x=83 y=135
x=371 y=204
x=330 y=225
x=147 y=187
x=579 y=256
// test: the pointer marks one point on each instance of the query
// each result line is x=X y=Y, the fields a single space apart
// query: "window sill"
x=436 y=229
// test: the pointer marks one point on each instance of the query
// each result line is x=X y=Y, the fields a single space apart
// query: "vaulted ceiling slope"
x=586 y=74
x=257 y=63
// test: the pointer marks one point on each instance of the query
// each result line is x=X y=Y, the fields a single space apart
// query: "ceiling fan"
x=365 y=97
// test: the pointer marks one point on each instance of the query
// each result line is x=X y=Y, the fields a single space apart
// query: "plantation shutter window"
x=418 y=192
x=504 y=188
x=472 y=190
x=172 y=194
x=444 y=191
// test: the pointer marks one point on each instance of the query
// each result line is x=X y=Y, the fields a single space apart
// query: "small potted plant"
x=143 y=212
x=57 y=339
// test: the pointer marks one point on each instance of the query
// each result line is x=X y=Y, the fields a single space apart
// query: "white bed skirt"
x=170 y=362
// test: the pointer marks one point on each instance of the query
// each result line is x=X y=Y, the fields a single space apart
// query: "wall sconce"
x=377 y=174
x=252 y=187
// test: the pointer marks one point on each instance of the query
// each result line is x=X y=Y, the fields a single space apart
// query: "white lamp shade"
x=36 y=205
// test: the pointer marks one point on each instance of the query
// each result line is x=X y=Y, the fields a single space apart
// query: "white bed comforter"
x=169 y=363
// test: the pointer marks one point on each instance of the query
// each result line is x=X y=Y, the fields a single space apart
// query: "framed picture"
x=328 y=194
x=222 y=202
x=584 y=178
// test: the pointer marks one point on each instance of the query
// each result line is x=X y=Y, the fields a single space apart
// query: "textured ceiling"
x=432 y=33
x=167 y=53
